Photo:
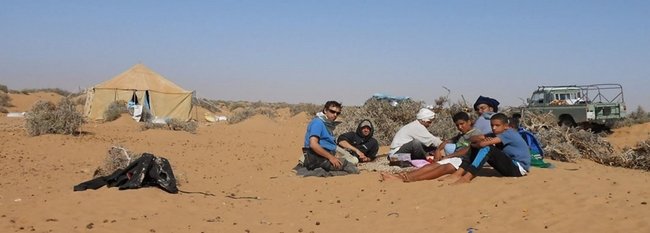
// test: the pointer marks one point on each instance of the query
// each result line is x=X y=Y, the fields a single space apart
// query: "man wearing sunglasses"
x=319 y=148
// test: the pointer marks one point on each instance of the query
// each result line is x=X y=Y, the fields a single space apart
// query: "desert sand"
x=253 y=160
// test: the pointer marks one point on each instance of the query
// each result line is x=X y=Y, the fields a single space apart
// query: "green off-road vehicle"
x=586 y=105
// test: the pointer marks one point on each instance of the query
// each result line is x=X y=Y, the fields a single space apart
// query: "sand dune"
x=254 y=159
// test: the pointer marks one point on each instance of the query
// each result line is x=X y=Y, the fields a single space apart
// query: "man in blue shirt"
x=319 y=148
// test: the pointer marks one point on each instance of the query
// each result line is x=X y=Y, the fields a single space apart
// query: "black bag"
x=148 y=170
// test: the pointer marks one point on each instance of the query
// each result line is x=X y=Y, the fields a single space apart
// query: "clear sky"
x=313 y=51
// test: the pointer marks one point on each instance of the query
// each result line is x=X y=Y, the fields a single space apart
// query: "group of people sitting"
x=492 y=139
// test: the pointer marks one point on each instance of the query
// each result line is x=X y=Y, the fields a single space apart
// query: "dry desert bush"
x=210 y=105
x=241 y=114
x=386 y=118
x=637 y=157
x=47 y=118
x=171 y=124
x=4 y=98
x=4 y=102
x=80 y=99
x=266 y=111
x=310 y=109
x=4 y=89
x=58 y=91
x=570 y=144
x=178 y=125
x=639 y=116
x=242 y=110
x=118 y=158
x=115 y=110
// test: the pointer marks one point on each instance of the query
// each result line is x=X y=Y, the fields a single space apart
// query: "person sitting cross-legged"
x=449 y=154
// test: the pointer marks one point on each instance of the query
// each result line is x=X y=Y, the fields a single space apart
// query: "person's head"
x=500 y=122
x=332 y=109
x=365 y=128
x=514 y=121
x=365 y=131
x=485 y=104
x=425 y=117
x=462 y=121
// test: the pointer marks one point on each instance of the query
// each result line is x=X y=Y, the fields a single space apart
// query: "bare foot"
x=449 y=177
x=462 y=180
x=384 y=176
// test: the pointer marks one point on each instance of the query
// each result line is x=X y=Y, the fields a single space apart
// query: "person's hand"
x=336 y=162
x=363 y=158
x=435 y=156
x=438 y=156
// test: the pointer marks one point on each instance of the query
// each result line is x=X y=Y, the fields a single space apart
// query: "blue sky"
x=313 y=51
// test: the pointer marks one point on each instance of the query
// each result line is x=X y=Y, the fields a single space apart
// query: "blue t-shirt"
x=317 y=128
x=483 y=122
x=515 y=146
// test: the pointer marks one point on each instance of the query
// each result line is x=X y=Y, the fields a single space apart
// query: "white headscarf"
x=425 y=114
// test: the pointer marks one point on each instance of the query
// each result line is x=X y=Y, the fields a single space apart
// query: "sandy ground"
x=254 y=159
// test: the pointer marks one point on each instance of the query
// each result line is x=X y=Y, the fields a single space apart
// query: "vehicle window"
x=537 y=98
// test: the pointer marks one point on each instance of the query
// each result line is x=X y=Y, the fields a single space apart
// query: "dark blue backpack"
x=536 y=151
x=533 y=144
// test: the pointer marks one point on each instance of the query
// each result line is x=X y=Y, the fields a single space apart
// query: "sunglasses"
x=334 y=112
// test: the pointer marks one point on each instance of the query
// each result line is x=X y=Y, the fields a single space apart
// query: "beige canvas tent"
x=159 y=96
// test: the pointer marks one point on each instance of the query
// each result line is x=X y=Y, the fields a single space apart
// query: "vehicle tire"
x=567 y=122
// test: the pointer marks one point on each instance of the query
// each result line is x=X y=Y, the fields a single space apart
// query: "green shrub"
x=115 y=110
x=3 y=89
x=46 y=118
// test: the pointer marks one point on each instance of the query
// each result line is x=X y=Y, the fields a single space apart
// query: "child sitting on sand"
x=504 y=149
x=458 y=146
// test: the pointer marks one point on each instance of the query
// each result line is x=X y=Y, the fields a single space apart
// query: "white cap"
x=425 y=114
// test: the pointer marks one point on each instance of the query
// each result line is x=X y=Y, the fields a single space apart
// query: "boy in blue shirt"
x=504 y=149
